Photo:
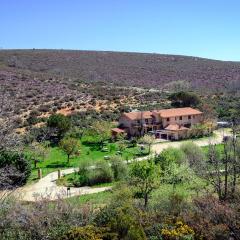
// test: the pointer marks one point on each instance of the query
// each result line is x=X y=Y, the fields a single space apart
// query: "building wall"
x=176 y=120
x=128 y=124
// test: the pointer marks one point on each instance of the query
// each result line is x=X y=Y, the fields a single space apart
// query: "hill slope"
x=128 y=69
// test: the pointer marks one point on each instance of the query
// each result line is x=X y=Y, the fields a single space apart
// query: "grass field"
x=58 y=160
x=92 y=199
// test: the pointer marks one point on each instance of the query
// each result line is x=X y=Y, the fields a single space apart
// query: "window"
x=180 y=118
x=193 y=116
x=146 y=121
x=175 y=118
x=189 y=117
x=138 y=121
x=168 y=119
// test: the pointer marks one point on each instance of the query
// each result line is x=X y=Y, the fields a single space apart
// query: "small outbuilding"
x=116 y=132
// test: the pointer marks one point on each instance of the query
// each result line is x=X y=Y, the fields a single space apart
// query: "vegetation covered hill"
x=127 y=69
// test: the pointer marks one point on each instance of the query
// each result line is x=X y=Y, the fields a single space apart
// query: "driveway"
x=215 y=139
x=47 y=187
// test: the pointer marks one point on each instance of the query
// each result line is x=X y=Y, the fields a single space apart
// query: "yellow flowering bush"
x=179 y=231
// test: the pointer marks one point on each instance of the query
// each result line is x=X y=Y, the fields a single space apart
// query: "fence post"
x=59 y=173
x=39 y=173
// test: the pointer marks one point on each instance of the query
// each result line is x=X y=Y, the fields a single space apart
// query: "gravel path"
x=47 y=187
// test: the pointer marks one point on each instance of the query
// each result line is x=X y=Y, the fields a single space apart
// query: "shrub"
x=89 y=232
x=194 y=154
x=14 y=169
x=119 y=168
x=101 y=174
x=178 y=231
x=121 y=216
x=81 y=177
x=170 y=155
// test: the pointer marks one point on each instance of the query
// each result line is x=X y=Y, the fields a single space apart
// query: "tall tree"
x=144 y=177
x=69 y=146
x=38 y=152
x=148 y=140
x=102 y=131
x=222 y=169
x=60 y=123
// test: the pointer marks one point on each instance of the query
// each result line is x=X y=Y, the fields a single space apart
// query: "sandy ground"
x=47 y=187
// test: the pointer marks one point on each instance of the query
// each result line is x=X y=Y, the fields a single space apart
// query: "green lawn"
x=100 y=198
x=58 y=160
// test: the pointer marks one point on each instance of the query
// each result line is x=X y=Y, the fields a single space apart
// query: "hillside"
x=126 y=69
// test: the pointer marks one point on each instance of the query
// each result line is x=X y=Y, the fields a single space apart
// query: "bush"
x=89 y=232
x=170 y=155
x=14 y=169
x=121 y=216
x=119 y=168
x=101 y=174
x=81 y=177
x=194 y=154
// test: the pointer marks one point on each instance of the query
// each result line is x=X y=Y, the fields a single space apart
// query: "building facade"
x=171 y=124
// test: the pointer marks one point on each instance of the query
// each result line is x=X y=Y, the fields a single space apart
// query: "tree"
x=144 y=177
x=121 y=143
x=59 y=122
x=148 y=140
x=38 y=152
x=69 y=146
x=184 y=99
x=222 y=169
x=102 y=131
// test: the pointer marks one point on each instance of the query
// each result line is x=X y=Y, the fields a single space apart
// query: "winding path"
x=47 y=187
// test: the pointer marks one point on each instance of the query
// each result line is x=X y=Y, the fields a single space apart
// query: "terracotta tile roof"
x=138 y=115
x=118 y=130
x=175 y=112
x=164 y=113
x=175 y=127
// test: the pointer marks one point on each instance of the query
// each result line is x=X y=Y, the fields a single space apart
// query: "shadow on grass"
x=94 y=146
x=58 y=165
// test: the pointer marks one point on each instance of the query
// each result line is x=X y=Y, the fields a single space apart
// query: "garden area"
x=70 y=149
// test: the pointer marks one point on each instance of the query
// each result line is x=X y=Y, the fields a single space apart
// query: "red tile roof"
x=138 y=115
x=164 y=113
x=176 y=112
x=118 y=130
